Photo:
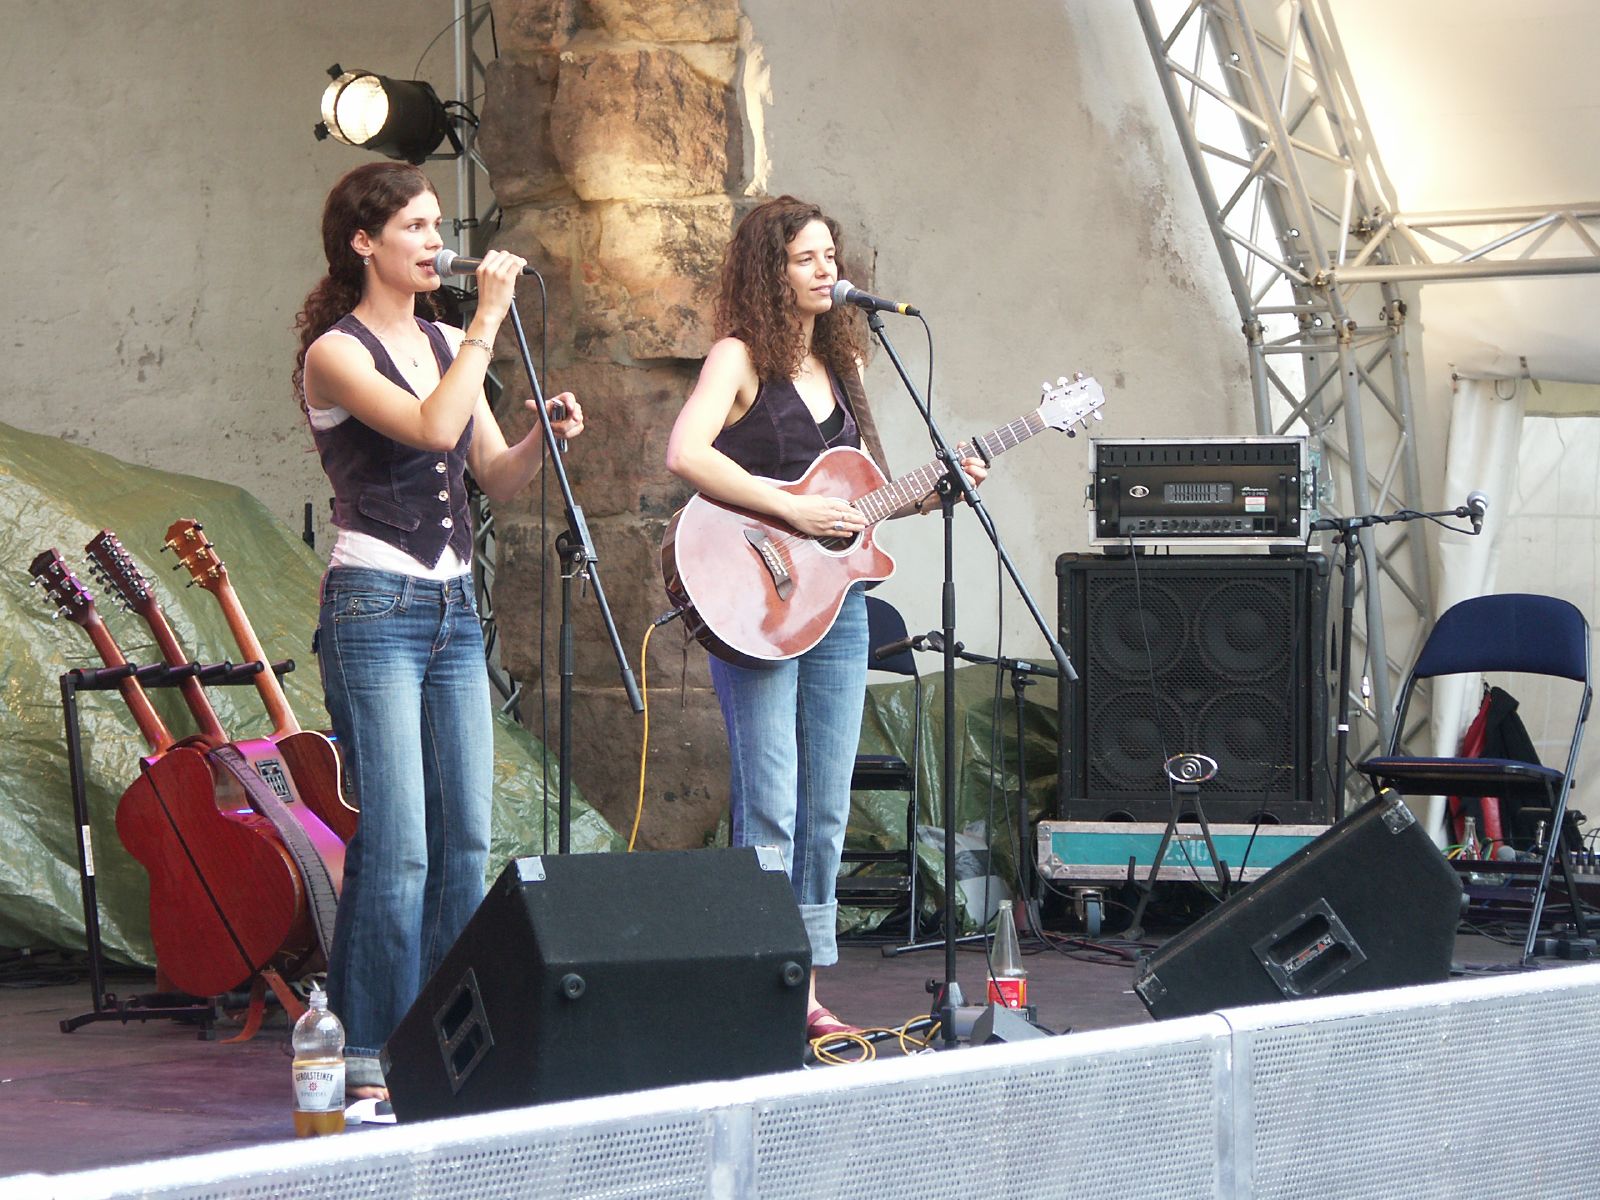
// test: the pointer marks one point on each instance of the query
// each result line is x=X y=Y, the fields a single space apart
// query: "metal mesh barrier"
x=1466 y=1088
x=1470 y=1088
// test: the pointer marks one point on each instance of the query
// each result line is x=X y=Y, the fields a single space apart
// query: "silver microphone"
x=447 y=262
x=1477 y=506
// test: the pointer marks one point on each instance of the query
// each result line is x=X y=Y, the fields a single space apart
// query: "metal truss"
x=1275 y=139
x=1315 y=249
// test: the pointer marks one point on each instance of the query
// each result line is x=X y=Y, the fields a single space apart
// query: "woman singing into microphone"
x=397 y=409
x=782 y=386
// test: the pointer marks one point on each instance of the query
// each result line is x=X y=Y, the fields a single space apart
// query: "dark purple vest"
x=778 y=437
x=416 y=500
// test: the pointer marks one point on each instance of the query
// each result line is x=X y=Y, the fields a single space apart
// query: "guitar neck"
x=145 y=716
x=884 y=502
x=194 y=695
x=266 y=680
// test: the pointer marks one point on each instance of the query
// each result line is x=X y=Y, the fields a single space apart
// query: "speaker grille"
x=1204 y=654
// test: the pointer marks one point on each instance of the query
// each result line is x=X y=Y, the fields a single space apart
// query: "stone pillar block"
x=529 y=27
x=514 y=138
x=657 y=265
x=669 y=20
x=640 y=123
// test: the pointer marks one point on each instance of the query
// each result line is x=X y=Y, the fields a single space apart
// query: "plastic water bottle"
x=1008 y=984
x=1469 y=837
x=318 y=1070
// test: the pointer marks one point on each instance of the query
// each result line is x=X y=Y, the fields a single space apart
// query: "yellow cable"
x=644 y=747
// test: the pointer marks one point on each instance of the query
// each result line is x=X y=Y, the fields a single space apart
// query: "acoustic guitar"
x=263 y=756
x=759 y=591
x=312 y=758
x=225 y=899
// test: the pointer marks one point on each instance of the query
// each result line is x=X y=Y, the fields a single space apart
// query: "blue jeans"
x=793 y=730
x=408 y=692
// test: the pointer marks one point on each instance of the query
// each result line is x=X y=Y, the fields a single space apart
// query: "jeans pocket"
x=355 y=605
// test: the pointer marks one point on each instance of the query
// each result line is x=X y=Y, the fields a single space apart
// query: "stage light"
x=398 y=118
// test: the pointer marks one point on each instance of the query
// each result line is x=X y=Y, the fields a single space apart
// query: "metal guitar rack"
x=108 y=1006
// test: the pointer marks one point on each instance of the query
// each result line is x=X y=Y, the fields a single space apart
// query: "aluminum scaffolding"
x=1315 y=249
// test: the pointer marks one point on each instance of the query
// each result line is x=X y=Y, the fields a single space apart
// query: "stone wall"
x=614 y=148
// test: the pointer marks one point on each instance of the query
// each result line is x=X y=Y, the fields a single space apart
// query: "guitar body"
x=761 y=592
x=271 y=760
x=225 y=898
x=317 y=771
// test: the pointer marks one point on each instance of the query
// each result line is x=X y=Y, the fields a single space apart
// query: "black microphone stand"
x=954 y=485
x=1347 y=532
x=578 y=560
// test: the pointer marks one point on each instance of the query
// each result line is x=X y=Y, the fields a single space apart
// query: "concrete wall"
x=164 y=193
x=1015 y=168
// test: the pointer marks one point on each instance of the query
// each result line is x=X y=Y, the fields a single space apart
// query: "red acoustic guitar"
x=225 y=900
x=760 y=591
x=261 y=755
x=311 y=757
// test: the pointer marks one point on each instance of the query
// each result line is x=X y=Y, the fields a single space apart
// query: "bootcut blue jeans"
x=403 y=670
x=793 y=730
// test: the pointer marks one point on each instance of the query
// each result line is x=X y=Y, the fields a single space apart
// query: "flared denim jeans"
x=407 y=689
x=793 y=730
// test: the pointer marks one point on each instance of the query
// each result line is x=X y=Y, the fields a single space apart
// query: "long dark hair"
x=757 y=305
x=365 y=198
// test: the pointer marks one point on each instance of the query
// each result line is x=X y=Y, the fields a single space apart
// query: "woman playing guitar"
x=782 y=386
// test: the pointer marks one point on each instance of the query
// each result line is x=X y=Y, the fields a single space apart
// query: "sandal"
x=820 y=1023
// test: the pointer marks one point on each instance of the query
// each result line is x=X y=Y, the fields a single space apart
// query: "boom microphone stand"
x=952 y=487
x=1347 y=532
x=578 y=561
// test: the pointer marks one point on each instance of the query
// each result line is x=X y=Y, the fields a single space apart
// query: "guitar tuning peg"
x=1098 y=415
x=1077 y=376
x=1062 y=382
x=1045 y=386
x=1072 y=433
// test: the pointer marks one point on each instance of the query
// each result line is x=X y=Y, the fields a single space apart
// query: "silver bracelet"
x=486 y=345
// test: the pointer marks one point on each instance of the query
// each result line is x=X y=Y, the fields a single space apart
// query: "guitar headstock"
x=1070 y=402
x=113 y=565
x=186 y=538
x=62 y=588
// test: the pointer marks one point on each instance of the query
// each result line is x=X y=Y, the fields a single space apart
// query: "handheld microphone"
x=845 y=292
x=447 y=262
x=1477 y=506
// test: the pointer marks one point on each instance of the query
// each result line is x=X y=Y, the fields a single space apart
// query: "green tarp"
x=56 y=494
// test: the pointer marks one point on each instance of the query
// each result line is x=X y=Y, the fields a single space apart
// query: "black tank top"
x=778 y=438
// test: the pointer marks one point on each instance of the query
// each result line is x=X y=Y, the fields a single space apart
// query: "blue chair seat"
x=1505 y=777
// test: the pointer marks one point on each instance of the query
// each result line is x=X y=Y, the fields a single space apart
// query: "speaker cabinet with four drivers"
x=1220 y=655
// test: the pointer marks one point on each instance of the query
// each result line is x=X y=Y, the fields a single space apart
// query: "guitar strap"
x=865 y=424
x=319 y=884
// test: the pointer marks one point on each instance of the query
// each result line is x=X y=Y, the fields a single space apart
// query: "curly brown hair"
x=757 y=305
x=364 y=198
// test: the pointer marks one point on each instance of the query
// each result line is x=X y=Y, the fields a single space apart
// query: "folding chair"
x=888 y=772
x=1533 y=635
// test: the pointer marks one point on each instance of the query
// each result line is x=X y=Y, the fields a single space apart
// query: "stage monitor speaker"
x=591 y=974
x=1369 y=904
x=1220 y=655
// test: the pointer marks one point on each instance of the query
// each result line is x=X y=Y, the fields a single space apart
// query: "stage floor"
x=108 y=1094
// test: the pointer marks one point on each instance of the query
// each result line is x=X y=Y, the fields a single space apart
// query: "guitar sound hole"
x=839 y=543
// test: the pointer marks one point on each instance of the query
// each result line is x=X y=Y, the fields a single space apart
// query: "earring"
x=366 y=262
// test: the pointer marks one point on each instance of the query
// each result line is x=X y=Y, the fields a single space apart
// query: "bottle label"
x=319 y=1085
x=1009 y=990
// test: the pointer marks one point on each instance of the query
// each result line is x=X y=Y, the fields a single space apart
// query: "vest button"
x=447 y=523
x=443 y=495
x=439 y=467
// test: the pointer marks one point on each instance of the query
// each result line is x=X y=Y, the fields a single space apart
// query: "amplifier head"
x=1257 y=491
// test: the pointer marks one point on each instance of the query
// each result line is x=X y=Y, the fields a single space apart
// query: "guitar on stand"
x=757 y=591
x=311 y=758
x=226 y=902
